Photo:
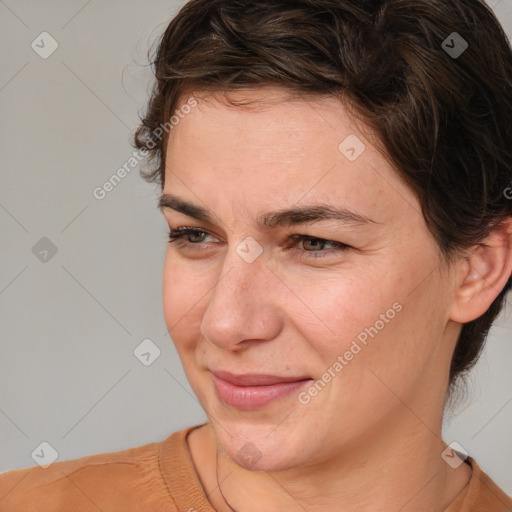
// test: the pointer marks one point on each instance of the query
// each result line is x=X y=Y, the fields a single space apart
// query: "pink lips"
x=252 y=391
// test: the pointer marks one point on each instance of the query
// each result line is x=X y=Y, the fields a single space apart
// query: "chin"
x=259 y=447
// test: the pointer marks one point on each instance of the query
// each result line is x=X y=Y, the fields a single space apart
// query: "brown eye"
x=314 y=243
x=188 y=233
x=196 y=234
x=315 y=247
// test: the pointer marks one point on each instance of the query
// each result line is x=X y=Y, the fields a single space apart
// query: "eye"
x=314 y=247
x=187 y=231
x=317 y=243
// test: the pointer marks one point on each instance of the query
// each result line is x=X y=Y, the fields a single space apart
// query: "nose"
x=244 y=304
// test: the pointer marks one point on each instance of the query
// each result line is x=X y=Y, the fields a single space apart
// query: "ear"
x=483 y=274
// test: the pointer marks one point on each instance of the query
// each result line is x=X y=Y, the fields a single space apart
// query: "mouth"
x=252 y=391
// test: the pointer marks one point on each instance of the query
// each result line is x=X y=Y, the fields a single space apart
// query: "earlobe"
x=483 y=274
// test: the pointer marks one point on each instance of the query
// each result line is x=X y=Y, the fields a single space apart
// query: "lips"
x=253 y=391
x=253 y=379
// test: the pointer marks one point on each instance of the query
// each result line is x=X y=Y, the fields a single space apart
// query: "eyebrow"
x=286 y=217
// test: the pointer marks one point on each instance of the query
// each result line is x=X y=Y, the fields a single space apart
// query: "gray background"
x=69 y=325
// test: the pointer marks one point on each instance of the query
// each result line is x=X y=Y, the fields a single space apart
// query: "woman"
x=333 y=175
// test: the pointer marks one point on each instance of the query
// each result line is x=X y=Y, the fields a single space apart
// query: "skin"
x=371 y=439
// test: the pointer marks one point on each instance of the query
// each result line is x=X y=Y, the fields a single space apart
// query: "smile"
x=253 y=396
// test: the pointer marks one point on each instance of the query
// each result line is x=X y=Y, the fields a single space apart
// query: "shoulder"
x=481 y=494
x=486 y=494
x=126 y=480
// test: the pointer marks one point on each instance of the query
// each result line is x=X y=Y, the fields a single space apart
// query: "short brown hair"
x=444 y=121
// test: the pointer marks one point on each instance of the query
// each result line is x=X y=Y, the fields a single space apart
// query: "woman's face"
x=369 y=323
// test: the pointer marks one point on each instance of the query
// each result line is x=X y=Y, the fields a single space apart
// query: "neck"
x=396 y=467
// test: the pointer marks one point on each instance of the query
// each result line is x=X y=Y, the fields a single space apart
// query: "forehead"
x=267 y=110
x=277 y=149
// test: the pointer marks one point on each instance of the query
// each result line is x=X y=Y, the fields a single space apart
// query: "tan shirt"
x=159 y=477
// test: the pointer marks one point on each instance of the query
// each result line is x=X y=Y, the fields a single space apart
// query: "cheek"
x=182 y=293
x=332 y=311
x=386 y=344
x=373 y=323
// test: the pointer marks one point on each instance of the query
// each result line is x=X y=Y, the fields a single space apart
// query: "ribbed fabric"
x=159 y=477
x=156 y=477
x=480 y=495
x=180 y=475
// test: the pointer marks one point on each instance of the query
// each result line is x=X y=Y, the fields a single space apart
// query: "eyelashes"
x=182 y=234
